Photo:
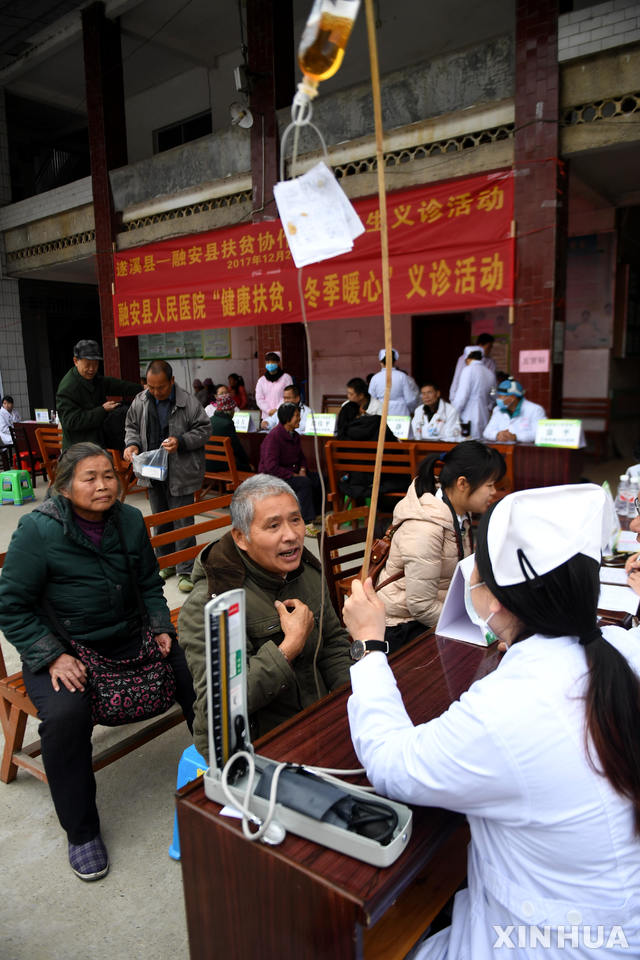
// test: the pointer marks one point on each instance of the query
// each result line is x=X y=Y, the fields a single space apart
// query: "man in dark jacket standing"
x=81 y=399
x=290 y=664
x=167 y=416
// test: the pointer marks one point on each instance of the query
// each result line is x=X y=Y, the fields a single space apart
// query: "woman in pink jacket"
x=270 y=386
x=434 y=534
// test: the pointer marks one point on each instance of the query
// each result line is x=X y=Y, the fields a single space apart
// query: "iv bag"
x=325 y=37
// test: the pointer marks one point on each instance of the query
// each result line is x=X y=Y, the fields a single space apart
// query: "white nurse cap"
x=382 y=354
x=471 y=349
x=534 y=531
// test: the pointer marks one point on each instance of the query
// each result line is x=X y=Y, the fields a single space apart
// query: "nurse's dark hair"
x=70 y=459
x=473 y=460
x=563 y=603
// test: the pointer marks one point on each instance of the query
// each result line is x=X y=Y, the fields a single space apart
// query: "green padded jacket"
x=276 y=689
x=88 y=587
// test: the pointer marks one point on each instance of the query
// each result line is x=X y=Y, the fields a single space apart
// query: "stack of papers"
x=317 y=217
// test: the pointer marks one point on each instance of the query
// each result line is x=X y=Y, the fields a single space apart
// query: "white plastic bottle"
x=622 y=496
x=632 y=493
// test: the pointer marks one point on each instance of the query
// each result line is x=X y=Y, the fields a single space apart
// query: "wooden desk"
x=532 y=466
x=301 y=901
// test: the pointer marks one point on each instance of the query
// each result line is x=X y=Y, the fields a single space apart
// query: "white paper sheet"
x=618 y=598
x=628 y=542
x=613 y=575
x=317 y=217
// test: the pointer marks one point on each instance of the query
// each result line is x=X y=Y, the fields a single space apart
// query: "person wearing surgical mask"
x=514 y=417
x=541 y=755
x=271 y=386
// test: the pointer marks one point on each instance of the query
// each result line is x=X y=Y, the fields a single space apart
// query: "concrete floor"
x=137 y=911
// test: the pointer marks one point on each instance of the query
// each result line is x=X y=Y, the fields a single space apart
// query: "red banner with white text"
x=450 y=248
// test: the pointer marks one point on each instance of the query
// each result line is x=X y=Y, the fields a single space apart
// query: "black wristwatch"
x=358 y=648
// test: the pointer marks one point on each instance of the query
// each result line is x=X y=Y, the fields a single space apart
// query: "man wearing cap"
x=514 y=417
x=404 y=396
x=81 y=399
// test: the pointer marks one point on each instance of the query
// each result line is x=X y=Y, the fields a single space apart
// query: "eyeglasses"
x=636 y=504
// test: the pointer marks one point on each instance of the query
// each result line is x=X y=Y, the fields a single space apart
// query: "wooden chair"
x=227 y=477
x=332 y=402
x=595 y=414
x=343 y=556
x=24 y=454
x=356 y=517
x=351 y=456
x=198 y=509
x=16 y=707
x=128 y=479
x=49 y=441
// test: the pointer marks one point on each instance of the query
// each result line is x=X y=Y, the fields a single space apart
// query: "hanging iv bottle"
x=325 y=37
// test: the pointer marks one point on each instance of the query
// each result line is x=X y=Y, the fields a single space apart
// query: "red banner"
x=450 y=248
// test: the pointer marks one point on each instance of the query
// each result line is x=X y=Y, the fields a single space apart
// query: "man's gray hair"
x=255 y=488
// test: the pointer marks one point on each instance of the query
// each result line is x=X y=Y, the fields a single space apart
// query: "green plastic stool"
x=16 y=487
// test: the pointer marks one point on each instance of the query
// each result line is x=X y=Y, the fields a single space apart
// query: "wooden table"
x=532 y=466
x=301 y=901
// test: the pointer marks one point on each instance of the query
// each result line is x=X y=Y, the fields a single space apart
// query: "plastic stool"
x=190 y=766
x=16 y=487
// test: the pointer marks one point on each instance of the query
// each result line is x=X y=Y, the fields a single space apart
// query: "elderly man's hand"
x=129 y=453
x=170 y=444
x=71 y=671
x=296 y=620
x=363 y=612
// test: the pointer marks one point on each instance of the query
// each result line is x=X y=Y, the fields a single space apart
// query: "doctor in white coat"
x=514 y=417
x=435 y=419
x=472 y=398
x=404 y=395
x=542 y=755
x=485 y=342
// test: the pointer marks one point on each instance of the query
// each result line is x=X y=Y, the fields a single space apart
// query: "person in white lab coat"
x=472 y=398
x=542 y=755
x=513 y=417
x=485 y=342
x=404 y=396
x=435 y=419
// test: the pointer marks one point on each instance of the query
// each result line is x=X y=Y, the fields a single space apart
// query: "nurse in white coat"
x=472 y=398
x=542 y=755
x=514 y=417
x=404 y=396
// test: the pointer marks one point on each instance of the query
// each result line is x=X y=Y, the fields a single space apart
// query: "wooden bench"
x=595 y=414
x=128 y=479
x=343 y=553
x=16 y=706
x=228 y=477
x=352 y=456
x=49 y=440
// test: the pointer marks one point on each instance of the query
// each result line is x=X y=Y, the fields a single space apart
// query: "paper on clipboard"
x=616 y=575
x=454 y=621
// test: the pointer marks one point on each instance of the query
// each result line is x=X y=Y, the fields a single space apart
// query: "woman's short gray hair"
x=70 y=459
x=255 y=488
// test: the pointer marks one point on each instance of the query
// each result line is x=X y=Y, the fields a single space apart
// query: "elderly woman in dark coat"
x=80 y=568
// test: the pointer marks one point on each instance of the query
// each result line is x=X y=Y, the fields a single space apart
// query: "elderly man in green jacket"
x=264 y=553
x=81 y=398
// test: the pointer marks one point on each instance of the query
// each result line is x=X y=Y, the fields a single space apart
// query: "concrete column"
x=270 y=59
x=108 y=150
x=540 y=198
x=12 y=362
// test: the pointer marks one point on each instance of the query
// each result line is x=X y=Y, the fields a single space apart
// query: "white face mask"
x=487 y=633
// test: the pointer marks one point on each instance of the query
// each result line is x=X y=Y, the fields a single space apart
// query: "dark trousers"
x=402 y=633
x=65 y=731
x=161 y=499
x=309 y=494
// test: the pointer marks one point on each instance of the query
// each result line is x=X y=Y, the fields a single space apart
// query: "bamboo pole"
x=384 y=251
